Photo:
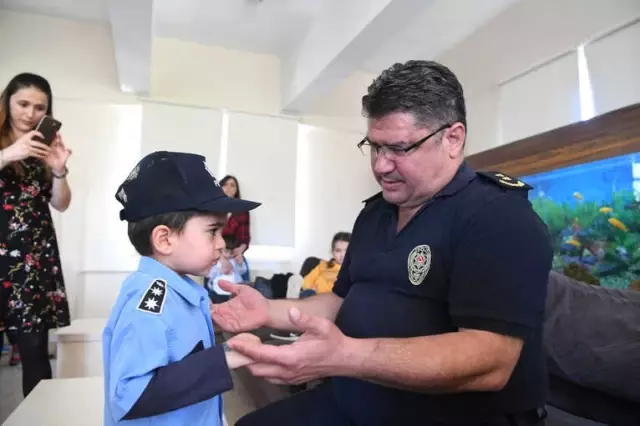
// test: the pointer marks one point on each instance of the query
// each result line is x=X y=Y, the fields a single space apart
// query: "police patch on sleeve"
x=153 y=299
x=505 y=181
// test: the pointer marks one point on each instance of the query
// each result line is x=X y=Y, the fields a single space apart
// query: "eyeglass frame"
x=398 y=151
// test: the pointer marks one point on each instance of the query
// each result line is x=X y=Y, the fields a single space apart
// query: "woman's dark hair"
x=339 y=236
x=228 y=178
x=20 y=81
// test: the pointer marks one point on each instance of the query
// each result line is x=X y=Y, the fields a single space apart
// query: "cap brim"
x=228 y=205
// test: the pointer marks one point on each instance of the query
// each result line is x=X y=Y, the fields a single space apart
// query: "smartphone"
x=49 y=127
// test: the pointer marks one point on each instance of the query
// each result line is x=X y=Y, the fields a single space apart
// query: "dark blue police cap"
x=165 y=182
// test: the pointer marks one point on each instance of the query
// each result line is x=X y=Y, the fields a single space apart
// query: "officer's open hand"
x=246 y=310
x=321 y=351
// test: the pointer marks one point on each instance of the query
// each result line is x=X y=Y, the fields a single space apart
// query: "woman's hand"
x=26 y=146
x=58 y=155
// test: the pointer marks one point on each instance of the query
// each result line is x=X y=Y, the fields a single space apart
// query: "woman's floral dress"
x=33 y=293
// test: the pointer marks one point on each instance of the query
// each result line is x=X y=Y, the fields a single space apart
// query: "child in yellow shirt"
x=322 y=277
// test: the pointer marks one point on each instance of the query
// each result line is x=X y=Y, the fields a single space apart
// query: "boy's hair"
x=140 y=231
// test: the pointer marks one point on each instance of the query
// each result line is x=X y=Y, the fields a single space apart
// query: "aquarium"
x=592 y=211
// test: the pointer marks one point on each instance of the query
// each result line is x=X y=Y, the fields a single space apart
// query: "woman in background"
x=237 y=227
x=322 y=278
x=32 y=177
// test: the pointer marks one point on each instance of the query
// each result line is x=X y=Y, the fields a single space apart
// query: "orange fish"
x=617 y=224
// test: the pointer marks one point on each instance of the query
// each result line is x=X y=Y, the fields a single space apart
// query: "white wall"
x=76 y=57
x=194 y=74
x=341 y=108
x=261 y=153
x=333 y=180
x=614 y=69
x=490 y=62
x=541 y=100
x=167 y=127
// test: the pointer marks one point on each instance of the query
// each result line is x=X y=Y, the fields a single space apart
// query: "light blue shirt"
x=148 y=329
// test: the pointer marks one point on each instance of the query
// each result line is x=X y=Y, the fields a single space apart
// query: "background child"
x=236 y=268
x=322 y=278
x=162 y=366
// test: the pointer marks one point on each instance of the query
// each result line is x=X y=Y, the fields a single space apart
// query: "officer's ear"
x=454 y=138
x=161 y=240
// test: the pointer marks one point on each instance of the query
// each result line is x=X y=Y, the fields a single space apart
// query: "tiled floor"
x=10 y=387
x=236 y=402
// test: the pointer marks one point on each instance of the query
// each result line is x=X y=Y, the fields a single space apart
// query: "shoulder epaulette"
x=153 y=299
x=505 y=181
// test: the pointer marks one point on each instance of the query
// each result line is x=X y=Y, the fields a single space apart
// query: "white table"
x=79 y=351
x=62 y=402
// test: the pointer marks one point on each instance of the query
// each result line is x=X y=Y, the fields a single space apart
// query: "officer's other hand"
x=236 y=359
x=246 y=310
x=319 y=352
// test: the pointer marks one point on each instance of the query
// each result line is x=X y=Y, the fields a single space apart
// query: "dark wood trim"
x=609 y=135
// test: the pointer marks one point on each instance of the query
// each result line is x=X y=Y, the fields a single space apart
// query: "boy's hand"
x=236 y=359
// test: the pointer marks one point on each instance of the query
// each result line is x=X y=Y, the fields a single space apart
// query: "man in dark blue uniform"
x=436 y=316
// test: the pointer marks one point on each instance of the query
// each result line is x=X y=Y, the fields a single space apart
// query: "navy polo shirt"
x=475 y=256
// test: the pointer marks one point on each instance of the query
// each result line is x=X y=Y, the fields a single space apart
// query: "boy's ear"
x=161 y=240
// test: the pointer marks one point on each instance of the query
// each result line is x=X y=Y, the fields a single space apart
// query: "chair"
x=592 y=346
x=308 y=265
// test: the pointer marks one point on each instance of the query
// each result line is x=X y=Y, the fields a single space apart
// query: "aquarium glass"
x=592 y=211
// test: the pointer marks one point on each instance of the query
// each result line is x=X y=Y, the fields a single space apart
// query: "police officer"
x=161 y=364
x=436 y=315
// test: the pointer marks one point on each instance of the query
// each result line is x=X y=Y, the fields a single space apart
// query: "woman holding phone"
x=32 y=176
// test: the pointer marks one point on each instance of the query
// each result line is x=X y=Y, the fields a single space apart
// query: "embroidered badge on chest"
x=418 y=263
x=153 y=299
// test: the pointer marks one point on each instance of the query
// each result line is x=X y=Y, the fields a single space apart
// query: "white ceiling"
x=322 y=42
x=86 y=10
x=267 y=26
x=435 y=30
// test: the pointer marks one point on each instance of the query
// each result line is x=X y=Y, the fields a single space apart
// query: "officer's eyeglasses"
x=393 y=151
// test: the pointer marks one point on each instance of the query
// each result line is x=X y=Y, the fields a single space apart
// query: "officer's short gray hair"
x=427 y=89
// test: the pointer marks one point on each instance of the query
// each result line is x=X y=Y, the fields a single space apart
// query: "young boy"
x=161 y=364
x=238 y=268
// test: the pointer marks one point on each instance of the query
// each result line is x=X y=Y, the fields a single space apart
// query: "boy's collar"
x=183 y=285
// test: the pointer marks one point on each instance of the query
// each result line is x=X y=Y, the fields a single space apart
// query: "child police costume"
x=162 y=366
